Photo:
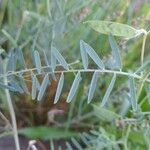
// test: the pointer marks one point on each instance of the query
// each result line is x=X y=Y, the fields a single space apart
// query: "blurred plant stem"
x=143 y=46
x=12 y=112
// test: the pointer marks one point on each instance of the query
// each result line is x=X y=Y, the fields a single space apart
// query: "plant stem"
x=76 y=70
x=12 y=114
x=10 y=38
x=5 y=119
x=126 y=137
x=33 y=69
x=143 y=46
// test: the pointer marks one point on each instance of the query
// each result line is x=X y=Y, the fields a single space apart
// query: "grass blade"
x=59 y=88
x=47 y=133
x=74 y=87
x=108 y=91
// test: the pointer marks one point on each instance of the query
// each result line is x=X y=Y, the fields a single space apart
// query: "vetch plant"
x=16 y=80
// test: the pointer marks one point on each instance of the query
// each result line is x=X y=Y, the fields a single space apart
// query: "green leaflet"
x=74 y=87
x=60 y=58
x=108 y=91
x=8 y=87
x=37 y=61
x=68 y=145
x=51 y=69
x=92 y=86
x=43 y=87
x=53 y=59
x=46 y=59
x=16 y=86
x=34 y=86
x=117 y=29
x=84 y=55
x=51 y=63
x=1 y=51
x=59 y=88
x=133 y=94
x=76 y=143
x=104 y=114
x=90 y=51
x=11 y=64
x=23 y=84
x=21 y=58
x=84 y=139
x=115 y=52
x=143 y=66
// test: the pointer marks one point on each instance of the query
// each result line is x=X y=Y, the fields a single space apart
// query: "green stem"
x=76 y=70
x=10 y=38
x=143 y=46
x=126 y=137
x=12 y=114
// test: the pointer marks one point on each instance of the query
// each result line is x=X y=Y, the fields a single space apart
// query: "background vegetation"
x=39 y=25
